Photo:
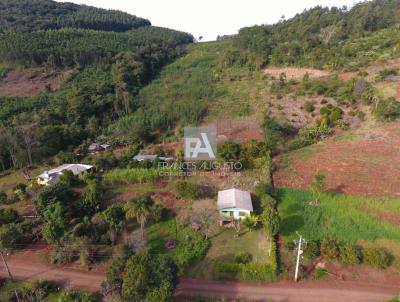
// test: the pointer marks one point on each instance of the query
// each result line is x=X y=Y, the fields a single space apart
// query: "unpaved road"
x=315 y=291
x=67 y=278
x=318 y=291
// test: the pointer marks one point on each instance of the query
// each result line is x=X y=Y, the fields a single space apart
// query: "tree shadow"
x=291 y=224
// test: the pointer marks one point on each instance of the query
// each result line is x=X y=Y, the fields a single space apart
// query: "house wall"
x=236 y=213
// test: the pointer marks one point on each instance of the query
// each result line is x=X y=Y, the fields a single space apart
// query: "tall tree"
x=140 y=209
x=27 y=133
x=54 y=229
x=318 y=186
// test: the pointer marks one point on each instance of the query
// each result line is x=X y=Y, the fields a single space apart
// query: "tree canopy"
x=27 y=15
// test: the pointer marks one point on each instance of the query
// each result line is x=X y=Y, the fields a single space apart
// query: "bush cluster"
x=189 y=190
x=246 y=272
x=346 y=253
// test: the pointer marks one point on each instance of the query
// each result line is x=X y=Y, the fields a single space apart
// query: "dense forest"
x=30 y=15
x=105 y=57
x=72 y=47
x=319 y=37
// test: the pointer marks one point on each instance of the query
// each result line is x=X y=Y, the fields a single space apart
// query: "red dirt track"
x=285 y=291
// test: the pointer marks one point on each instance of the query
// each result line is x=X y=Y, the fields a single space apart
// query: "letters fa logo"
x=200 y=143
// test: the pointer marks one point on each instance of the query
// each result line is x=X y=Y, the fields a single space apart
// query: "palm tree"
x=140 y=209
x=251 y=222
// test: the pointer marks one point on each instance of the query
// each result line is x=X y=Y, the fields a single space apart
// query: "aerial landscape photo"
x=200 y=151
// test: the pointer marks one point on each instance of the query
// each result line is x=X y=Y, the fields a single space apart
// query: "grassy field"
x=365 y=221
x=223 y=248
x=11 y=178
x=345 y=217
x=202 y=78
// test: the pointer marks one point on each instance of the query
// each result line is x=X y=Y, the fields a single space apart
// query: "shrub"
x=8 y=215
x=324 y=111
x=388 y=109
x=246 y=272
x=274 y=259
x=60 y=191
x=310 y=135
x=69 y=178
x=188 y=190
x=230 y=151
x=335 y=114
x=376 y=257
x=38 y=291
x=361 y=115
x=350 y=254
x=268 y=201
x=320 y=273
x=192 y=245
x=79 y=297
x=243 y=258
x=362 y=73
x=3 y=197
x=157 y=212
x=20 y=191
x=264 y=189
x=383 y=74
x=10 y=236
x=309 y=106
x=329 y=249
x=342 y=124
x=312 y=250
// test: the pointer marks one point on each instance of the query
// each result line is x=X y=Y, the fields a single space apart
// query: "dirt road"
x=67 y=278
x=315 y=291
x=318 y=291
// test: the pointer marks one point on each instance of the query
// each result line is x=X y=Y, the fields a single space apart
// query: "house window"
x=242 y=214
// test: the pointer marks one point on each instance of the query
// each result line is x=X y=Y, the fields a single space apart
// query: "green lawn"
x=345 y=217
x=222 y=248
x=9 y=179
x=225 y=245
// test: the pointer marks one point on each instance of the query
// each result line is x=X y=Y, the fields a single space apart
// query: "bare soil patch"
x=29 y=82
x=240 y=130
x=365 y=162
x=292 y=109
x=296 y=73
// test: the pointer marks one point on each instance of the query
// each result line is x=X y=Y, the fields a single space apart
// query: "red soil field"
x=366 y=164
x=29 y=82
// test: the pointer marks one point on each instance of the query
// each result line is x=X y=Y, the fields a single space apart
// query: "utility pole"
x=9 y=273
x=5 y=264
x=299 y=252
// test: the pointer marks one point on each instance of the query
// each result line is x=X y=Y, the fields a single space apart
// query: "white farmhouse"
x=51 y=176
x=234 y=204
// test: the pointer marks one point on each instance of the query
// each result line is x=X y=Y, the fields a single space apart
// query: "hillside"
x=68 y=71
x=31 y=15
x=318 y=37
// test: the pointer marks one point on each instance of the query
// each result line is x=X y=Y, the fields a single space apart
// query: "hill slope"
x=73 y=71
x=30 y=15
